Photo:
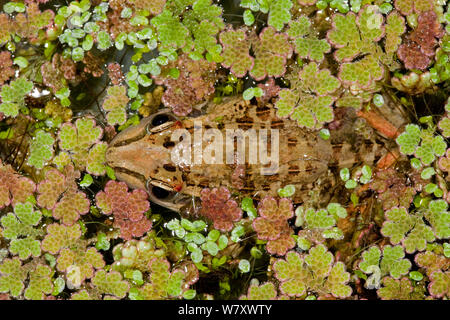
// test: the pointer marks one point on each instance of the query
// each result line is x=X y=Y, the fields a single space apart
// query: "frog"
x=143 y=155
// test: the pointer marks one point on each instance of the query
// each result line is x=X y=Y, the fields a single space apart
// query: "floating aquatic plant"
x=353 y=35
x=409 y=229
x=218 y=207
x=19 y=227
x=28 y=24
x=278 y=10
x=236 y=51
x=59 y=193
x=432 y=262
x=60 y=236
x=265 y=291
x=14 y=187
x=55 y=74
x=12 y=277
x=128 y=209
x=81 y=143
x=272 y=224
x=188 y=83
x=321 y=223
x=314 y=272
x=418 y=49
x=391 y=261
x=41 y=149
x=407 y=7
x=440 y=284
x=310 y=99
x=115 y=104
x=79 y=264
x=396 y=289
x=136 y=254
x=422 y=143
x=40 y=283
x=307 y=45
x=392 y=189
x=6 y=67
x=115 y=73
x=315 y=60
x=13 y=96
x=110 y=283
x=271 y=51
x=164 y=282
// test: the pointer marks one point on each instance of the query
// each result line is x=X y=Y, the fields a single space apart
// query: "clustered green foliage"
x=13 y=96
x=19 y=227
x=319 y=225
x=315 y=272
x=81 y=143
x=411 y=229
x=422 y=143
x=196 y=242
x=310 y=99
x=74 y=73
x=378 y=264
x=115 y=104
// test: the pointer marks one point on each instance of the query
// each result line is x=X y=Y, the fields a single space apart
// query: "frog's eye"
x=160 y=121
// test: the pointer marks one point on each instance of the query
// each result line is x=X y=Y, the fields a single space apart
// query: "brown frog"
x=143 y=155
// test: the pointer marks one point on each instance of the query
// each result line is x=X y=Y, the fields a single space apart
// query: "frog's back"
x=297 y=156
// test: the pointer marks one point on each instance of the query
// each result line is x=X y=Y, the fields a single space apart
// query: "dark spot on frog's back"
x=170 y=167
x=292 y=142
x=277 y=124
x=263 y=113
x=245 y=122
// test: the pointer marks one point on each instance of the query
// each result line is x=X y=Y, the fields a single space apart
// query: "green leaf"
x=244 y=265
x=86 y=181
x=102 y=242
x=249 y=18
x=287 y=191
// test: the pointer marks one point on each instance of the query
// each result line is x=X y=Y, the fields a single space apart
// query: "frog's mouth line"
x=170 y=198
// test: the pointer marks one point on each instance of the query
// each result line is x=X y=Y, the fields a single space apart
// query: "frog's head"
x=141 y=156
